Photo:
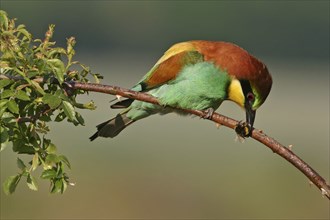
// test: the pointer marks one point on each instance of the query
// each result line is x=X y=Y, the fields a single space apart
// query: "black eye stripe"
x=246 y=87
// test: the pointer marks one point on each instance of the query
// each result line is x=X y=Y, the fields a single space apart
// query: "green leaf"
x=64 y=186
x=32 y=73
x=31 y=182
x=37 y=87
x=20 y=164
x=10 y=184
x=52 y=100
x=4 y=136
x=48 y=174
x=5 y=82
x=89 y=105
x=69 y=110
x=65 y=160
x=22 y=95
x=20 y=147
x=13 y=107
x=35 y=161
x=56 y=51
x=7 y=93
x=3 y=102
x=51 y=149
x=3 y=20
x=3 y=106
x=50 y=160
x=70 y=44
x=60 y=117
x=23 y=31
x=58 y=67
x=57 y=187
x=8 y=118
x=80 y=118
x=96 y=78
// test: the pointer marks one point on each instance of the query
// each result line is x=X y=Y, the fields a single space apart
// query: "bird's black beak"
x=244 y=129
x=250 y=115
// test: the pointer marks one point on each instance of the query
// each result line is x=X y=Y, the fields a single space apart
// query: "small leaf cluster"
x=34 y=92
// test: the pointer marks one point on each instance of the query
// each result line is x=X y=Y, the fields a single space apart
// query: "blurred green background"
x=183 y=167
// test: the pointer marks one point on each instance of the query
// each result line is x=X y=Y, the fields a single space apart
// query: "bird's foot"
x=243 y=129
x=208 y=113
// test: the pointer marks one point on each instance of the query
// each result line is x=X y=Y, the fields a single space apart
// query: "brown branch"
x=258 y=135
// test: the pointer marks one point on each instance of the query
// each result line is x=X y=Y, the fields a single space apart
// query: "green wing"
x=166 y=69
x=169 y=66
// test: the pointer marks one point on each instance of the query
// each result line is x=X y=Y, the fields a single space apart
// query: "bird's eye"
x=250 y=97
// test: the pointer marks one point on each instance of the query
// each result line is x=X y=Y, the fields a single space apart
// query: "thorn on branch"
x=119 y=97
x=324 y=193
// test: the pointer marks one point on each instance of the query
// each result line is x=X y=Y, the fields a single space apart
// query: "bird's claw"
x=243 y=129
x=208 y=113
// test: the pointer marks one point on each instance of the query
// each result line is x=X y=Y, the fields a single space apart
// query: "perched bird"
x=197 y=75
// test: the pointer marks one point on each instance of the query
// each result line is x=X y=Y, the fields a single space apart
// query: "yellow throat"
x=235 y=92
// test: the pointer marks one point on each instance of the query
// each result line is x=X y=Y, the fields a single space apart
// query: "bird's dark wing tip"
x=94 y=136
x=122 y=104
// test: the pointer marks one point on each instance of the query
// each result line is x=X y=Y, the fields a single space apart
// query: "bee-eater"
x=196 y=75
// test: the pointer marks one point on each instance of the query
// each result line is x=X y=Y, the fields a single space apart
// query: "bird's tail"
x=112 y=127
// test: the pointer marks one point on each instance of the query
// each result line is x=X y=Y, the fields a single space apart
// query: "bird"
x=197 y=75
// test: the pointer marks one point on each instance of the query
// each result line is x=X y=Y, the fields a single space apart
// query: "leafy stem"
x=32 y=94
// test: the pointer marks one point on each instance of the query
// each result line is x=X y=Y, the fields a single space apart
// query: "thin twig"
x=258 y=135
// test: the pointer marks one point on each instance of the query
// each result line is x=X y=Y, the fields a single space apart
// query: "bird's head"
x=250 y=90
x=250 y=80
